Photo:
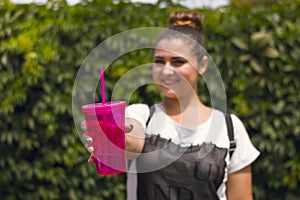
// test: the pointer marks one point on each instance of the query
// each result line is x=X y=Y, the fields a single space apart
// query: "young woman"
x=170 y=155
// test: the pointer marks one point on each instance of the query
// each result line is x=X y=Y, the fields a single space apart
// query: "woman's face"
x=175 y=68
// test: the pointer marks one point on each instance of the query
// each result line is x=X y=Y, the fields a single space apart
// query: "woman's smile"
x=169 y=81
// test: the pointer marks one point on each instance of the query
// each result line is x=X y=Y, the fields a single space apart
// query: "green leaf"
x=261 y=38
x=256 y=66
x=271 y=52
x=238 y=42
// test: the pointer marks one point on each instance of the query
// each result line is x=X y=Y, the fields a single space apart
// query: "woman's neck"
x=190 y=112
x=175 y=106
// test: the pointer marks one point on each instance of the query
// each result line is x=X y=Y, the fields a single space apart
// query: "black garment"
x=181 y=173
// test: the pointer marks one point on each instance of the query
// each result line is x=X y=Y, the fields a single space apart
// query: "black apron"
x=181 y=173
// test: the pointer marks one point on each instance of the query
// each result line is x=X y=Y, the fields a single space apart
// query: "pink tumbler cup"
x=104 y=123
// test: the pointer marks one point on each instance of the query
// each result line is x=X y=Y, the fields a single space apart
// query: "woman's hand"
x=134 y=138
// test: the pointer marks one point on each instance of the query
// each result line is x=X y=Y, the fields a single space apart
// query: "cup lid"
x=106 y=107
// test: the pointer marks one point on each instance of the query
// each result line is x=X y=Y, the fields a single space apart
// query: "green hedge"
x=42 y=47
x=258 y=53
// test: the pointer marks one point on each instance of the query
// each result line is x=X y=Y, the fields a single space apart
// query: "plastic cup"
x=104 y=123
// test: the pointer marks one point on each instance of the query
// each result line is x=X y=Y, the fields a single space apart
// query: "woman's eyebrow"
x=159 y=57
x=178 y=57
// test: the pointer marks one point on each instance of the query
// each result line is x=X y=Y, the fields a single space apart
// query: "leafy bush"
x=258 y=55
x=43 y=46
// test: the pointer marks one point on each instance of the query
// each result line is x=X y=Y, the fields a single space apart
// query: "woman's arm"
x=135 y=139
x=239 y=184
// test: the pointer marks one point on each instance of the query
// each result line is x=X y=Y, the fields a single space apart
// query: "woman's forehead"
x=177 y=47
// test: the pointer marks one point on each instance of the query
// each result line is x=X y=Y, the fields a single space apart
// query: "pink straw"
x=102 y=85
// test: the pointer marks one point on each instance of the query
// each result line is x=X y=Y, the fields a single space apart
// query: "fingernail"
x=90 y=149
x=83 y=127
x=89 y=140
x=129 y=129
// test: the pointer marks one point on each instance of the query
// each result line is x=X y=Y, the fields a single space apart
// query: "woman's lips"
x=169 y=82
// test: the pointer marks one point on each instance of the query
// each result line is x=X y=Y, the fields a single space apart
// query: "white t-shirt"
x=213 y=130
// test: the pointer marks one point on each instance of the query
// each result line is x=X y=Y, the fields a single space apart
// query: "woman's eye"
x=159 y=62
x=179 y=62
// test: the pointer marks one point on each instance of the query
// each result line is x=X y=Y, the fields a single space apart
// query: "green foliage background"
x=42 y=47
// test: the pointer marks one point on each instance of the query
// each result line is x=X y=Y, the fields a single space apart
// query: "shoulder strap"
x=230 y=131
x=152 y=109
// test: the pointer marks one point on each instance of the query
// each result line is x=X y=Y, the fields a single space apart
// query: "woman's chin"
x=169 y=93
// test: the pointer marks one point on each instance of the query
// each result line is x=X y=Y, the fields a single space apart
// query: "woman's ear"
x=203 y=65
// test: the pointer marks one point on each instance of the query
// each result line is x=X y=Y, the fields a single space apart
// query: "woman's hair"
x=186 y=20
x=187 y=26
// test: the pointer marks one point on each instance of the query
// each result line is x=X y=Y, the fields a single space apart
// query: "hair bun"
x=191 y=19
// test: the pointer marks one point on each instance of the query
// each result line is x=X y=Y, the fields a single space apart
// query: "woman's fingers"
x=87 y=139
x=83 y=126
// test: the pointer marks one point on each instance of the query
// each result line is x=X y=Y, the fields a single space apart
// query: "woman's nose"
x=167 y=70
